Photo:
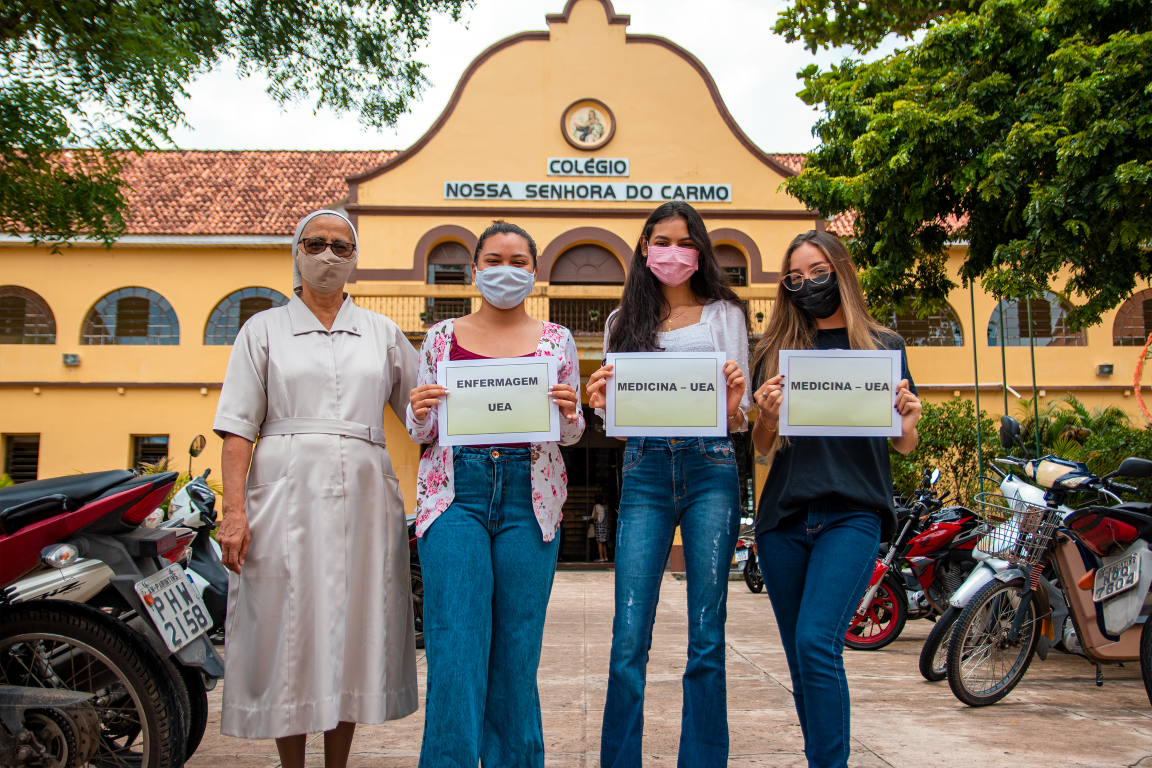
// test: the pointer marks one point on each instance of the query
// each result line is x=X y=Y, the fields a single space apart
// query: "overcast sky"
x=755 y=70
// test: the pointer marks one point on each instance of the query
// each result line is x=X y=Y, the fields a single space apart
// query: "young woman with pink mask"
x=676 y=299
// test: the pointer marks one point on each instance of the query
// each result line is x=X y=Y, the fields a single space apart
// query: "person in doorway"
x=676 y=299
x=600 y=521
x=486 y=518
x=827 y=502
x=320 y=631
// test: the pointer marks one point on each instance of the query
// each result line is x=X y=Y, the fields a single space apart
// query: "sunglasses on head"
x=314 y=246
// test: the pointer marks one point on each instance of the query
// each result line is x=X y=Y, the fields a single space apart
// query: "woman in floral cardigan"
x=486 y=518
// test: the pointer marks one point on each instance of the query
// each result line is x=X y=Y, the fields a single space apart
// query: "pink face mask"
x=672 y=264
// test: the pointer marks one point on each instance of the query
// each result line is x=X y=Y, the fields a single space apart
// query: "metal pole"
x=1003 y=365
x=976 y=380
x=1035 y=392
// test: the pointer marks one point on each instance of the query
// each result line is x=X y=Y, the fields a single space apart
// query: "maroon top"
x=458 y=352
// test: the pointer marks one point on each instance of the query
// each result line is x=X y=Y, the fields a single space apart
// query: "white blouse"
x=728 y=327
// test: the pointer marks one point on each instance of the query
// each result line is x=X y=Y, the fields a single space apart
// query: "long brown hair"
x=790 y=328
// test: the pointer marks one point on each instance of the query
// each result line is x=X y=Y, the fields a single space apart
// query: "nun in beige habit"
x=319 y=634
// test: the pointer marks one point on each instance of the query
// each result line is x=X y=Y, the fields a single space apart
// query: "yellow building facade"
x=576 y=133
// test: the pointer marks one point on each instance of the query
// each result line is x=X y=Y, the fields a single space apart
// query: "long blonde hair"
x=790 y=328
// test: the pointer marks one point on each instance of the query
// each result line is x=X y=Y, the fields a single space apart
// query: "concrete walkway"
x=1055 y=717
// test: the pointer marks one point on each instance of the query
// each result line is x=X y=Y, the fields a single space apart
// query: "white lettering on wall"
x=605 y=192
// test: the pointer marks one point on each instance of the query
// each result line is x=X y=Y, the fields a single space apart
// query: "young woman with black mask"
x=676 y=299
x=827 y=502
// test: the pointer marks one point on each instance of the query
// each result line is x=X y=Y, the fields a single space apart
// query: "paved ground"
x=1056 y=717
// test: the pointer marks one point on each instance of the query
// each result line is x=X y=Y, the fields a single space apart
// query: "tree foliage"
x=107 y=75
x=1023 y=127
x=948 y=442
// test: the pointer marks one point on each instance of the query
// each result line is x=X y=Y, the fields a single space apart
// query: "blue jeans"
x=816 y=570
x=690 y=482
x=487 y=579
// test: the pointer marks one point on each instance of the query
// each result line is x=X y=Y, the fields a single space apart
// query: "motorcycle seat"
x=79 y=489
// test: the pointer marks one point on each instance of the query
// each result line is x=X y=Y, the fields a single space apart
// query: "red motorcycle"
x=108 y=680
x=926 y=562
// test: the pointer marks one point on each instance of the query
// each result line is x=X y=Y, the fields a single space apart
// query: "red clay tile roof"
x=793 y=162
x=190 y=192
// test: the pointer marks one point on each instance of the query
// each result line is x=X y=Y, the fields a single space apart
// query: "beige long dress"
x=319 y=623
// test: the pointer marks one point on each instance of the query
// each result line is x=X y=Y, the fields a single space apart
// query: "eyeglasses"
x=794 y=281
x=315 y=246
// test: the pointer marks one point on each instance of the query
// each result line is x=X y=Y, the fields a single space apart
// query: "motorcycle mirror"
x=1134 y=467
x=935 y=475
x=1009 y=431
x=197 y=446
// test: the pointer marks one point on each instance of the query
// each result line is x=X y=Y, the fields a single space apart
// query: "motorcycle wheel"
x=54 y=644
x=882 y=622
x=752 y=575
x=934 y=654
x=194 y=697
x=1146 y=658
x=983 y=665
x=418 y=602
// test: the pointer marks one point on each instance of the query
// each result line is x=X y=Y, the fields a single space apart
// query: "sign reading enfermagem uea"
x=666 y=394
x=840 y=393
x=501 y=400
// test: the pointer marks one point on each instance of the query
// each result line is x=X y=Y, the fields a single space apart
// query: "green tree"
x=1023 y=127
x=106 y=75
x=948 y=442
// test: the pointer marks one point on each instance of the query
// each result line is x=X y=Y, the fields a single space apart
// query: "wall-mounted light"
x=1104 y=369
x=71 y=360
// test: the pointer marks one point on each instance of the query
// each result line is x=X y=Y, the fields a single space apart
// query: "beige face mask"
x=325 y=272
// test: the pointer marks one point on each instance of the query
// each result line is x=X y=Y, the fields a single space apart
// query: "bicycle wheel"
x=883 y=621
x=984 y=665
x=136 y=716
x=1146 y=658
x=418 y=602
x=934 y=654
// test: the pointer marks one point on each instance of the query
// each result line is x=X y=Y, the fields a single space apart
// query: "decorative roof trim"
x=507 y=42
x=609 y=11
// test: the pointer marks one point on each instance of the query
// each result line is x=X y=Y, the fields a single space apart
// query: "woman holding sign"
x=486 y=518
x=676 y=299
x=827 y=502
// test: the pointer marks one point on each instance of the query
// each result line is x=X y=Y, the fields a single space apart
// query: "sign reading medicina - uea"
x=666 y=394
x=603 y=191
x=840 y=393
x=503 y=400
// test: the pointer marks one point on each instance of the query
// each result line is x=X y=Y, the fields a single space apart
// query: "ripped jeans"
x=690 y=482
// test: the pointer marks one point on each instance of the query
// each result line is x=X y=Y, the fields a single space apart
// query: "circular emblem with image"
x=588 y=124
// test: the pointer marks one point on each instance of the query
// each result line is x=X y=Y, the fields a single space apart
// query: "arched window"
x=131 y=316
x=587 y=264
x=941 y=328
x=733 y=263
x=1134 y=320
x=447 y=265
x=1048 y=323
x=25 y=318
x=229 y=316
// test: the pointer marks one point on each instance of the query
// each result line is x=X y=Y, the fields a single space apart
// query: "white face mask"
x=504 y=287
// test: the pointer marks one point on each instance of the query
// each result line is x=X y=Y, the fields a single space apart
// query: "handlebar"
x=1124 y=487
x=206 y=473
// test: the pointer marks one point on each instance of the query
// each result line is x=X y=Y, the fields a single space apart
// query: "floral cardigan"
x=435 y=483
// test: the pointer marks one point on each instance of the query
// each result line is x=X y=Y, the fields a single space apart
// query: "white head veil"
x=297 y=280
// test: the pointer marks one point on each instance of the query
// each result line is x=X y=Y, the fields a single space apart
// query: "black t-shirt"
x=853 y=471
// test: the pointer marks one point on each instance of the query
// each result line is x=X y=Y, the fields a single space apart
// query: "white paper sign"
x=840 y=393
x=503 y=400
x=666 y=394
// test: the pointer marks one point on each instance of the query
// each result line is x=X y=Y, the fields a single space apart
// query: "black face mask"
x=818 y=301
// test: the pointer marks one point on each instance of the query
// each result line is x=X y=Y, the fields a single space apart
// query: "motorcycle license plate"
x=174 y=607
x=1116 y=578
x=742 y=555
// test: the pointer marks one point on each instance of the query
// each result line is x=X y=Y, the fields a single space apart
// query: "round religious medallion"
x=588 y=124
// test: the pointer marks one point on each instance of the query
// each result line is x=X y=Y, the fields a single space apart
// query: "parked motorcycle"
x=934 y=654
x=417 y=581
x=746 y=554
x=1100 y=562
x=78 y=685
x=929 y=558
